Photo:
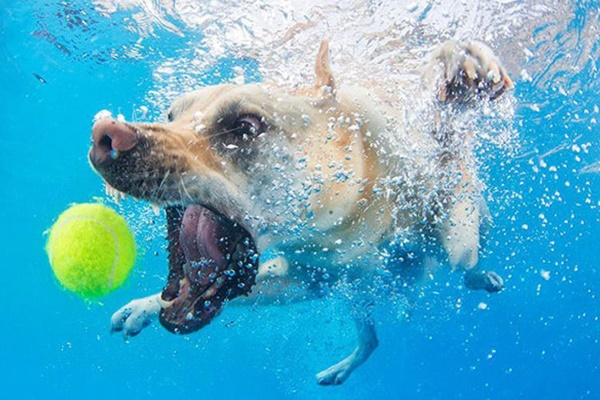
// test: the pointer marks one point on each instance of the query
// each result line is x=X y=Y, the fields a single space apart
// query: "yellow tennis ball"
x=91 y=249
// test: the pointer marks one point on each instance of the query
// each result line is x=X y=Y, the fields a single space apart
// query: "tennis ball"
x=91 y=249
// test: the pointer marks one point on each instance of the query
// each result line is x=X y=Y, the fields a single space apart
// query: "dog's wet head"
x=218 y=166
x=195 y=166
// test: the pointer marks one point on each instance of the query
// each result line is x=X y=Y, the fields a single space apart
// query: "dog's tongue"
x=220 y=264
x=202 y=233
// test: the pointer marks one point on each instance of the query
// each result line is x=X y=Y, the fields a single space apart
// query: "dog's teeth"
x=114 y=193
x=155 y=208
x=211 y=291
x=165 y=303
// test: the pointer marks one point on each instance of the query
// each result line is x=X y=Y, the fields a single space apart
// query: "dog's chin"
x=215 y=261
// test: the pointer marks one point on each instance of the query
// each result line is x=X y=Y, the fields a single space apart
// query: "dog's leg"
x=464 y=73
x=475 y=279
x=460 y=235
x=460 y=231
x=367 y=343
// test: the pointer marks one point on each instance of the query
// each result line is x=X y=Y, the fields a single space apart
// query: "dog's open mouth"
x=212 y=260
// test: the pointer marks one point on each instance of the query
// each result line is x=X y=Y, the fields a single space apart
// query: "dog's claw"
x=133 y=317
x=495 y=282
x=489 y=281
x=334 y=375
x=367 y=343
x=470 y=71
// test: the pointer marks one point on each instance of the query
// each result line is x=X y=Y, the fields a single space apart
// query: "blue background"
x=537 y=339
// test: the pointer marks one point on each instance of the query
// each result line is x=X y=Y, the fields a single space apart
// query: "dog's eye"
x=248 y=126
x=170 y=116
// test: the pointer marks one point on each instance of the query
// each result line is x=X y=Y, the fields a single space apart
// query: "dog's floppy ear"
x=324 y=77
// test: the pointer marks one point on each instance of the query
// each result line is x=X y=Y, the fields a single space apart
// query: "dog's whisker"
x=184 y=189
x=157 y=193
x=220 y=133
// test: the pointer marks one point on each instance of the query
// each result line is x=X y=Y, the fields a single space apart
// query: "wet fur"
x=287 y=187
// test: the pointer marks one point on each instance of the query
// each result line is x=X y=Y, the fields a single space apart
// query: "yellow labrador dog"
x=332 y=182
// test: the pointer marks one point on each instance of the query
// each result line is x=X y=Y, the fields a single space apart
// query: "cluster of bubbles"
x=381 y=43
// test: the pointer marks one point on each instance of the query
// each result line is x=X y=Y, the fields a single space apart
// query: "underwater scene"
x=329 y=199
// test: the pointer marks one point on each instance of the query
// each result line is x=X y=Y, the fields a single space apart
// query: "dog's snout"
x=109 y=138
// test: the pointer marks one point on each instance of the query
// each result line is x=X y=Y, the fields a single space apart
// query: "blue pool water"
x=536 y=339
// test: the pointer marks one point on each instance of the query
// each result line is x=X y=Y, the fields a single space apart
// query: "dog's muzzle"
x=212 y=259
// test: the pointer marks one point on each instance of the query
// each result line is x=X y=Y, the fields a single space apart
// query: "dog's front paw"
x=489 y=281
x=135 y=315
x=469 y=71
x=335 y=375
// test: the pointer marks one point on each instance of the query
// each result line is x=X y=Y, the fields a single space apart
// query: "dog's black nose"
x=109 y=138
